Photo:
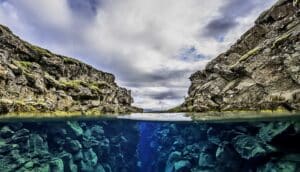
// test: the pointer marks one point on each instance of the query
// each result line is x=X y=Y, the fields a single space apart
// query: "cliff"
x=33 y=79
x=261 y=71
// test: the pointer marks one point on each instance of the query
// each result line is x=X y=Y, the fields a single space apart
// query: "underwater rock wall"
x=259 y=72
x=105 y=146
x=238 y=147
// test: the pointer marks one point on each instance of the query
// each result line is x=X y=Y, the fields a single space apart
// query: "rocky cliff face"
x=33 y=79
x=260 y=71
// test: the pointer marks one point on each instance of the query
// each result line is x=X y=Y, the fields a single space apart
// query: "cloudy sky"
x=152 y=46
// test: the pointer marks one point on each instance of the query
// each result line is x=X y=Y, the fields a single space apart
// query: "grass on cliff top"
x=68 y=60
x=38 y=50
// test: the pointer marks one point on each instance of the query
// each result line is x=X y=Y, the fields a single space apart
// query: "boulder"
x=206 y=160
x=182 y=166
x=37 y=144
x=282 y=166
x=6 y=132
x=91 y=157
x=73 y=146
x=57 y=165
x=269 y=131
x=251 y=147
x=74 y=129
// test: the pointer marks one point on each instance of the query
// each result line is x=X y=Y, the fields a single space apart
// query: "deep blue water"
x=146 y=154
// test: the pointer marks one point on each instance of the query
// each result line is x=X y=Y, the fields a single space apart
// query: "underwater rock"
x=279 y=166
x=182 y=166
x=90 y=157
x=206 y=160
x=213 y=136
x=19 y=136
x=251 y=147
x=70 y=146
x=6 y=132
x=100 y=168
x=57 y=165
x=228 y=147
x=36 y=143
x=271 y=130
x=74 y=128
x=69 y=165
x=259 y=72
x=73 y=146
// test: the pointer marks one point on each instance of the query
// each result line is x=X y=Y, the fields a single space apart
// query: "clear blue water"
x=151 y=143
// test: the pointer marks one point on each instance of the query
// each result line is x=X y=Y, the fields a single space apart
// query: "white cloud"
x=138 y=40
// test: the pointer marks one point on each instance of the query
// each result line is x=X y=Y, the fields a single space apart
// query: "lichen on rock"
x=259 y=72
x=35 y=80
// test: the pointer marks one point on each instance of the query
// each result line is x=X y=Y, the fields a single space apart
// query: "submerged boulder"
x=74 y=128
x=251 y=147
x=57 y=165
x=182 y=166
x=206 y=160
x=283 y=166
x=6 y=132
x=268 y=132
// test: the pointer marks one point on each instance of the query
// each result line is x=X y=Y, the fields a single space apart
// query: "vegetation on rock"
x=259 y=72
x=33 y=80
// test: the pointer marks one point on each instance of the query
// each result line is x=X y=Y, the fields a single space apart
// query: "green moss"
x=175 y=109
x=22 y=106
x=102 y=85
x=94 y=88
x=281 y=39
x=72 y=84
x=52 y=80
x=40 y=51
x=250 y=53
x=68 y=60
x=277 y=98
x=30 y=77
x=23 y=65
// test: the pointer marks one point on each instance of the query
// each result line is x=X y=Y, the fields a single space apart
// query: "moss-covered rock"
x=262 y=63
x=37 y=80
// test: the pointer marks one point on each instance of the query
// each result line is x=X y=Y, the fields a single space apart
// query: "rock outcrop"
x=33 y=79
x=261 y=71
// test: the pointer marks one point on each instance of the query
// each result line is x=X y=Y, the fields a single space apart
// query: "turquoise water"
x=151 y=143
